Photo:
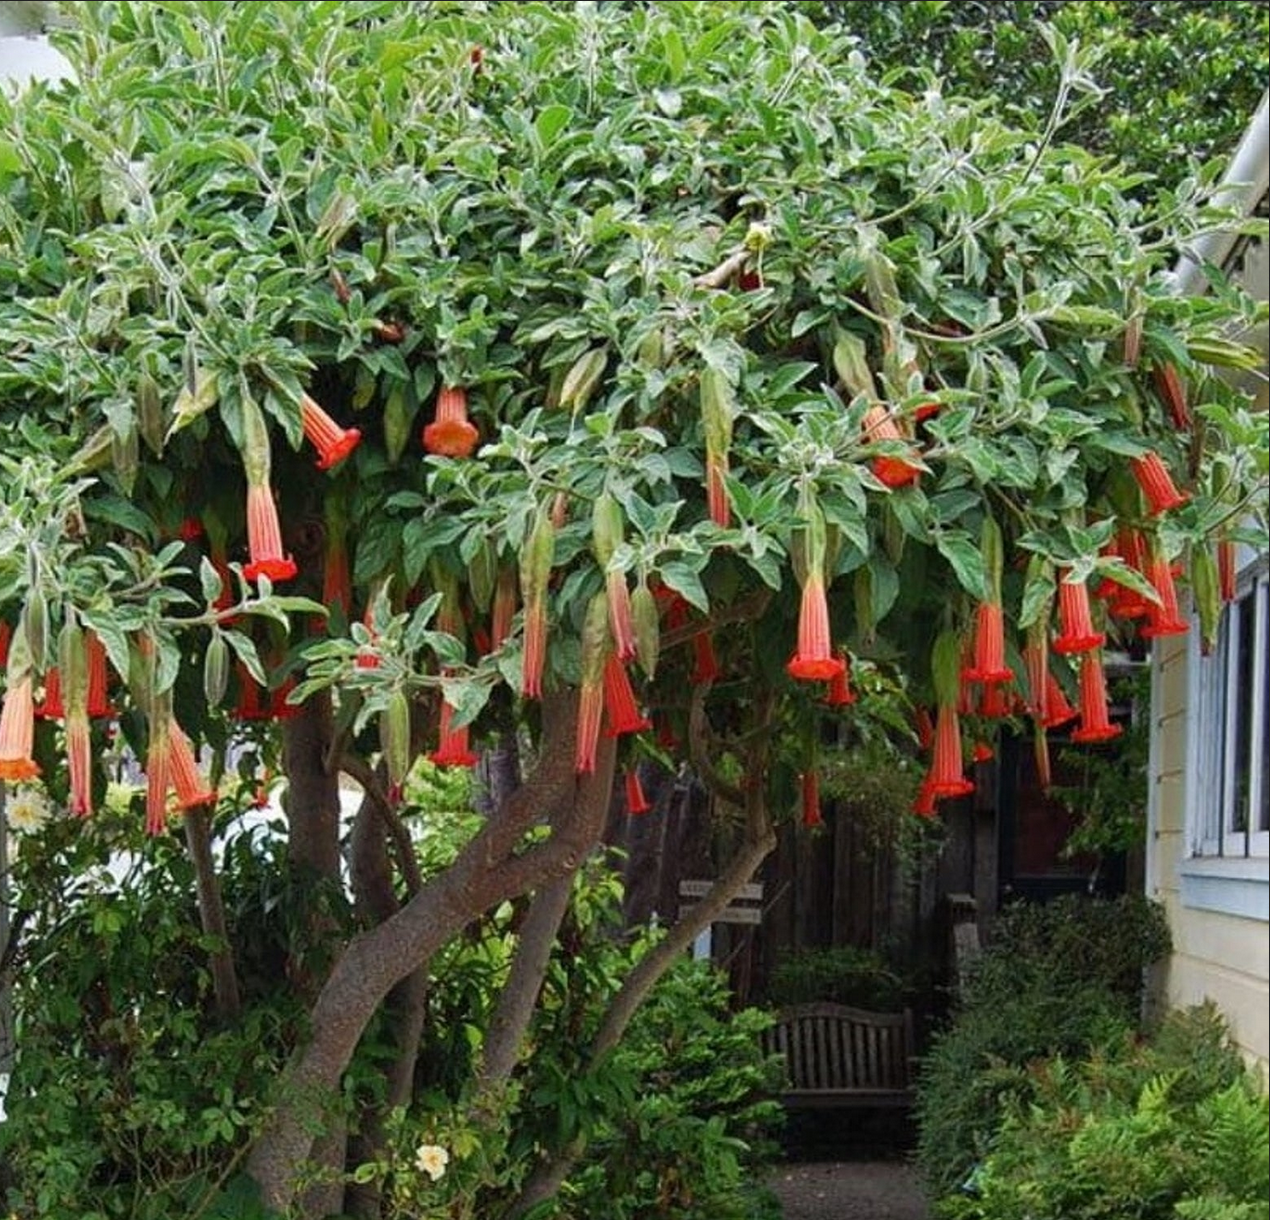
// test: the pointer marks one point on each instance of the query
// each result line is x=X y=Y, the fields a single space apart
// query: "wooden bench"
x=840 y=1056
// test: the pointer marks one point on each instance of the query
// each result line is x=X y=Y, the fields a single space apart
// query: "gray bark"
x=489 y=870
x=519 y=996
x=211 y=912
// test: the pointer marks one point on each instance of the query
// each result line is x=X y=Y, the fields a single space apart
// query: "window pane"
x=1245 y=688
x=1261 y=760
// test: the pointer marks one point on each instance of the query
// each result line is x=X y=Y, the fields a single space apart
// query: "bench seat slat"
x=836 y=1055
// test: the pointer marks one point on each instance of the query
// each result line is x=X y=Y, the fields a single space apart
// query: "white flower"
x=26 y=810
x=432 y=1160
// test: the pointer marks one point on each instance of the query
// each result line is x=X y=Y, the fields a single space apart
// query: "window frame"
x=1224 y=869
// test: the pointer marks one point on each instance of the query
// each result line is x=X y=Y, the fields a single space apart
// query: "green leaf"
x=113 y=637
x=683 y=576
x=884 y=586
x=1038 y=592
x=123 y=513
x=672 y=45
x=245 y=649
x=210 y=579
x=962 y=553
x=551 y=122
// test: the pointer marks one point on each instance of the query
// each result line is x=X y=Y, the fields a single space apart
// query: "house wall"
x=1220 y=957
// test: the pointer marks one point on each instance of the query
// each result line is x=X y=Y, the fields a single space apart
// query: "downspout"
x=1243 y=185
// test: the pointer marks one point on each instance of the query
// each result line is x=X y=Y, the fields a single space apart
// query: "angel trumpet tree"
x=167 y=302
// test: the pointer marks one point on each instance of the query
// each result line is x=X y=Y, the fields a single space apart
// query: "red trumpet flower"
x=98 y=695
x=1058 y=709
x=924 y=803
x=1156 y=483
x=840 y=693
x=158 y=777
x=619 y=700
x=1163 y=619
x=620 y=617
x=50 y=707
x=452 y=747
x=451 y=433
x=79 y=762
x=1078 y=634
x=636 y=801
x=264 y=537
x=332 y=441
x=1095 y=723
x=946 y=777
x=1226 y=569
x=705 y=663
x=989 y=661
x=892 y=471
x=17 y=731
x=183 y=772
x=814 y=660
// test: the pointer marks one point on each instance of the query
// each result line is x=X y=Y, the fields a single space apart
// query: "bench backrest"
x=833 y=1046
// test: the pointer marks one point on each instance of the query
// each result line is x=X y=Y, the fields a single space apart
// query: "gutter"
x=1245 y=182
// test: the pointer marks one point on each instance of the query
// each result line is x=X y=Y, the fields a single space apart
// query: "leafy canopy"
x=645 y=242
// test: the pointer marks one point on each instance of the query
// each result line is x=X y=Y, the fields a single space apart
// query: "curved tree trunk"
x=312 y=805
x=406 y=1004
x=211 y=912
x=757 y=843
x=546 y=1181
x=489 y=870
x=519 y=996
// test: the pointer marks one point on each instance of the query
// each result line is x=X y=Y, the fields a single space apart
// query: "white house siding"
x=1219 y=957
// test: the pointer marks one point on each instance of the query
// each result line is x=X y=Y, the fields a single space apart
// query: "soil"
x=849 y=1190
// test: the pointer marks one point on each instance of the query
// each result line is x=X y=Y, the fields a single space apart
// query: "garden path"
x=849 y=1190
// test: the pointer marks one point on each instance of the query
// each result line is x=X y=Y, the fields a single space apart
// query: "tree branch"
x=759 y=841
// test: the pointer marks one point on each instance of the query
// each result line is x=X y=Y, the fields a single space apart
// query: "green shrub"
x=128 y=1100
x=696 y=1132
x=841 y=973
x=1146 y=1131
x=1057 y=979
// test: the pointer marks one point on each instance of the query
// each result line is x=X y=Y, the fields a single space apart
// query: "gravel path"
x=849 y=1190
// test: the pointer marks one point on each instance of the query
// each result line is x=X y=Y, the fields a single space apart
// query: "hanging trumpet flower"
x=264 y=532
x=1156 y=483
x=1162 y=619
x=451 y=433
x=182 y=768
x=620 y=709
x=333 y=442
x=946 y=777
x=72 y=655
x=452 y=749
x=989 y=640
x=17 y=715
x=607 y=529
x=1095 y=721
x=814 y=660
x=636 y=801
x=98 y=679
x=1077 y=632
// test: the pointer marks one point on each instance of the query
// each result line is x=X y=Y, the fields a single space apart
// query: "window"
x=1232 y=729
x=1228 y=772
